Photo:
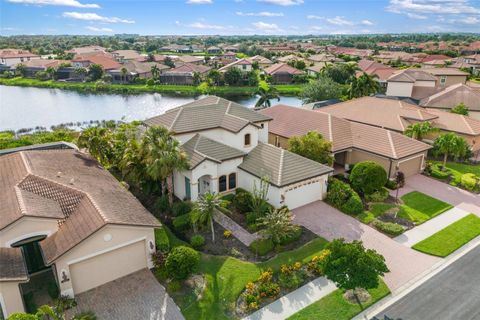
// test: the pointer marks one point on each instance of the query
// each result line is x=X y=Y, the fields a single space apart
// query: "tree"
x=350 y=266
x=204 y=209
x=364 y=85
x=278 y=224
x=124 y=73
x=322 y=89
x=450 y=144
x=214 y=76
x=51 y=72
x=368 y=177
x=400 y=182
x=312 y=146
x=419 y=130
x=80 y=72
x=155 y=71
x=233 y=76
x=300 y=65
x=95 y=72
x=197 y=78
x=340 y=73
x=21 y=69
x=266 y=94
x=161 y=155
x=169 y=62
x=460 y=109
x=98 y=141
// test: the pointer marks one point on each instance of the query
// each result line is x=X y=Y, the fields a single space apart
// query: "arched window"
x=222 y=184
x=232 y=181
x=246 y=140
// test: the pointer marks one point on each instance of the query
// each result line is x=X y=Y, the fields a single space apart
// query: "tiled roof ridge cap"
x=280 y=170
x=390 y=140
x=180 y=110
x=467 y=124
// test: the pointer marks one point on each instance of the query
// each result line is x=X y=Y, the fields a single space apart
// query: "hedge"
x=262 y=246
x=343 y=197
x=390 y=228
x=162 y=242
x=180 y=208
x=182 y=223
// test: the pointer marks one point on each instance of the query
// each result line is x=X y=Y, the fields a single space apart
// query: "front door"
x=32 y=253
x=188 y=192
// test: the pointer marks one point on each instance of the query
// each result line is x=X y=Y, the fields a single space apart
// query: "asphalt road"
x=452 y=294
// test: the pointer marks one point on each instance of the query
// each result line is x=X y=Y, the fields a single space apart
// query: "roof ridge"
x=180 y=110
x=21 y=203
x=25 y=163
x=392 y=146
x=330 y=129
x=280 y=169
x=467 y=124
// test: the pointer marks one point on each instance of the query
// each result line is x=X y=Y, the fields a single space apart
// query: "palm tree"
x=363 y=86
x=450 y=144
x=161 y=155
x=266 y=94
x=124 y=73
x=419 y=130
x=98 y=141
x=204 y=209
x=155 y=72
x=278 y=224
x=81 y=73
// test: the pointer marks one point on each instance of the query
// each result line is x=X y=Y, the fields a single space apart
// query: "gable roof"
x=260 y=59
x=452 y=96
x=446 y=72
x=412 y=75
x=106 y=62
x=455 y=122
x=70 y=187
x=188 y=68
x=238 y=62
x=200 y=148
x=342 y=133
x=281 y=166
x=208 y=113
x=282 y=68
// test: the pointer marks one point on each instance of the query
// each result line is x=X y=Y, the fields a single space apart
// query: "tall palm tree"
x=98 y=141
x=363 y=86
x=124 y=73
x=155 y=71
x=161 y=154
x=450 y=144
x=419 y=130
x=204 y=209
x=266 y=94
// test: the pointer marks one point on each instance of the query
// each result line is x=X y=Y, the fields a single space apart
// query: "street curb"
x=402 y=291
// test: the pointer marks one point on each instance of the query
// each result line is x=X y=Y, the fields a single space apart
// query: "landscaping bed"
x=451 y=238
x=462 y=175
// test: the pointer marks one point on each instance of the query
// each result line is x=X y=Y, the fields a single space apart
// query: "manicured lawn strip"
x=451 y=238
x=334 y=306
x=181 y=90
x=458 y=169
x=227 y=277
x=376 y=209
x=419 y=207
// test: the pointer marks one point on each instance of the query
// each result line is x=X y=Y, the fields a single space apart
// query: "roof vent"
x=72 y=180
x=59 y=174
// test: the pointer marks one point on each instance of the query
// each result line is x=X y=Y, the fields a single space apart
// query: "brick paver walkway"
x=404 y=263
x=136 y=296
x=237 y=230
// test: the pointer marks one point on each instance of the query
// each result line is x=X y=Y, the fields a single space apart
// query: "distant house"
x=189 y=59
x=314 y=70
x=471 y=63
x=229 y=56
x=126 y=55
x=214 y=50
x=373 y=68
x=448 y=76
x=32 y=67
x=244 y=65
x=322 y=59
x=105 y=61
x=262 y=61
x=412 y=83
x=282 y=73
x=10 y=57
x=87 y=50
x=136 y=69
x=290 y=58
x=184 y=74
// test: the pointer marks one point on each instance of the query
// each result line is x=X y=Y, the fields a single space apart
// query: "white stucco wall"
x=13 y=61
x=10 y=298
x=304 y=193
x=263 y=132
x=247 y=182
x=27 y=227
x=399 y=89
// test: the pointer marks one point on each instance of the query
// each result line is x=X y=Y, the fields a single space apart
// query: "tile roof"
x=260 y=59
x=189 y=68
x=239 y=62
x=200 y=148
x=12 y=266
x=16 y=53
x=282 y=68
x=208 y=113
x=128 y=54
x=70 y=187
x=190 y=59
x=281 y=166
x=452 y=96
x=412 y=75
x=445 y=72
x=455 y=122
x=291 y=121
x=106 y=62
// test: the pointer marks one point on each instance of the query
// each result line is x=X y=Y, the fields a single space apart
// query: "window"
x=222 y=184
x=277 y=141
x=262 y=125
x=244 y=67
x=247 y=139
x=232 y=181
x=443 y=80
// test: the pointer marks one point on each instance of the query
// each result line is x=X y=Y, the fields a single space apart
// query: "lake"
x=24 y=107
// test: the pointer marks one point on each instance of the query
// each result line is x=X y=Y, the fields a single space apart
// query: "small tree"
x=266 y=93
x=450 y=144
x=181 y=262
x=278 y=224
x=400 y=181
x=95 y=72
x=419 y=130
x=259 y=201
x=312 y=146
x=351 y=267
x=21 y=69
x=204 y=209
x=233 y=76
x=460 y=108
x=322 y=89
x=169 y=62
x=368 y=177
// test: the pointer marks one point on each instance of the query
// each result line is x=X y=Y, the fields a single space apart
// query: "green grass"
x=334 y=306
x=226 y=278
x=419 y=207
x=376 y=209
x=451 y=238
x=181 y=90
x=458 y=169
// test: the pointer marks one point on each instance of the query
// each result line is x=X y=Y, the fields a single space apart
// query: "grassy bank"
x=180 y=90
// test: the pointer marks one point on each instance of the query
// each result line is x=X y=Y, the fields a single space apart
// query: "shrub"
x=469 y=181
x=378 y=196
x=390 y=228
x=52 y=290
x=158 y=259
x=343 y=197
x=251 y=218
x=162 y=205
x=181 y=262
x=262 y=246
x=294 y=236
x=183 y=222
x=292 y=280
x=229 y=197
x=197 y=241
x=162 y=242
x=181 y=208
x=442 y=175
x=242 y=200
x=391 y=184
x=368 y=177
x=269 y=289
x=174 y=286
x=354 y=205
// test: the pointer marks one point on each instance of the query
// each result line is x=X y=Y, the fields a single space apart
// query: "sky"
x=237 y=17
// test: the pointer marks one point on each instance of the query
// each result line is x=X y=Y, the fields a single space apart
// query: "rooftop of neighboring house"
x=323 y=57
x=315 y=68
x=70 y=187
x=16 y=53
x=44 y=63
x=452 y=96
x=128 y=54
x=455 y=122
x=412 y=75
x=341 y=133
x=279 y=68
x=435 y=57
x=105 y=61
x=189 y=69
x=383 y=72
x=289 y=58
x=446 y=72
x=137 y=67
x=239 y=62
x=260 y=59
x=87 y=49
x=208 y=113
x=190 y=59
x=281 y=167
x=229 y=54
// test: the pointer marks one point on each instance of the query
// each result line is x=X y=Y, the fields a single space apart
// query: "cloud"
x=95 y=17
x=317 y=28
x=339 y=21
x=199 y=1
x=466 y=20
x=416 y=16
x=315 y=17
x=432 y=7
x=367 y=23
x=64 y=3
x=95 y=29
x=201 y=25
x=260 y=14
x=266 y=27
x=283 y=2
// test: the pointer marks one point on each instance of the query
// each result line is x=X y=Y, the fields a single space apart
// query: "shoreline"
x=131 y=89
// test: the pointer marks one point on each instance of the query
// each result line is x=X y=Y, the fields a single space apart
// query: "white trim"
x=94 y=254
x=26 y=236
x=3 y=307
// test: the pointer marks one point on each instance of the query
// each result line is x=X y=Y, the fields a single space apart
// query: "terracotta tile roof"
x=315 y=68
x=207 y=113
x=128 y=54
x=239 y=62
x=12 y=266
x=106 y=62
x=16 y=53
x=260 y=59
x=70 y=187
x=190 y=59
x=291 y=121
x=44 y=63
x=189 y=68
x=282 y=68
x=452 y=96
x=371 y=67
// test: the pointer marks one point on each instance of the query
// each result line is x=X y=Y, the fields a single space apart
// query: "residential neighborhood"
x=254 y=160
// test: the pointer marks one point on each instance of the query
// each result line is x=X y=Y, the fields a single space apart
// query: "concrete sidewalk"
x=295 y=300
x=430 y=227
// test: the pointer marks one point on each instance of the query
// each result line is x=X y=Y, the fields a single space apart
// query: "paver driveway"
x=136 y=296
x=404 y=263
x=455 y=196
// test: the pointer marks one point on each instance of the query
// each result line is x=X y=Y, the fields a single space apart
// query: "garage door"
x=411 y=167
x=108 y=266
x=303 y=195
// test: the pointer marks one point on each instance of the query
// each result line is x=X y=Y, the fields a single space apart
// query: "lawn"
x=334 y=306
x=458 y=169
x=451 y=238
x=419 y=207
x=376 y=209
